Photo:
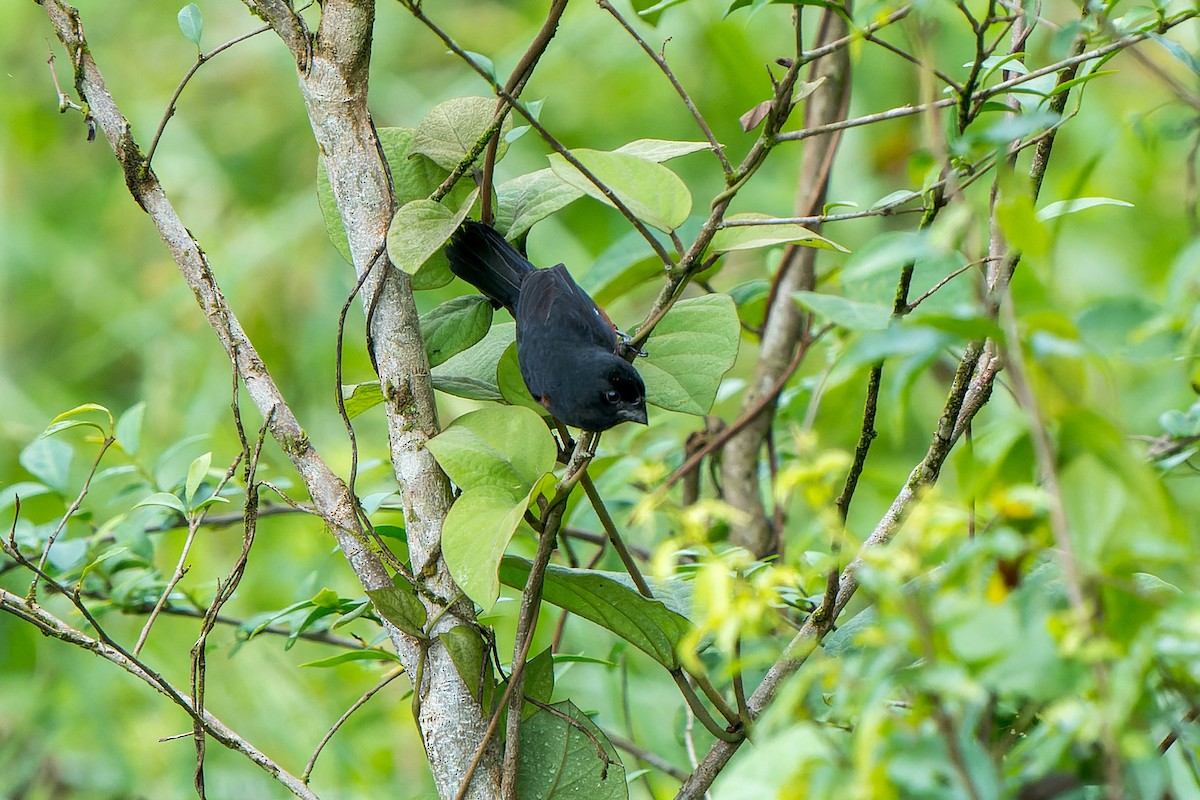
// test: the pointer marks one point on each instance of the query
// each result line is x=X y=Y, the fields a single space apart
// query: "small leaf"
x=21 y=489
x=473 y=665
x=454 y=326
x=480 y=60
x=358 y=397
x=67 y=419
x=534 y=107
x=539 y=681
x=559 y=760
x=196 y=473
x=755 y=116
x=48 y=460
x=1178 y=51
x=689 y=351
x=129 y=428
x=398 y=604
x=1018 y=126
x=849 y=314
x=660 y=150
x=191 y=23
x=1078 y=204
x=895 y=198
x=751 y=237
x=369 y=654
x=453 y=128
x=165 y=499
x=653 y=193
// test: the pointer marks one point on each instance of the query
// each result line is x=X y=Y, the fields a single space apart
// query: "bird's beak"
x=636 y=415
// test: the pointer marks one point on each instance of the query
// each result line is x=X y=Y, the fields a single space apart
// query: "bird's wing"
x=552 y=305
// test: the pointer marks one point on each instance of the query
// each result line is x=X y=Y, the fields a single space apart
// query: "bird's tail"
x=483 y=258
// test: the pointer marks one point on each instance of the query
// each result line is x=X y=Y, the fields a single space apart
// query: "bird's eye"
x=612 y=396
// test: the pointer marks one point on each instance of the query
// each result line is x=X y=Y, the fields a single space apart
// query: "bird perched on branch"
x=568 y=349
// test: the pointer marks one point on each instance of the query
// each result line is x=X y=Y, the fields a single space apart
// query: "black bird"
x=567 y=347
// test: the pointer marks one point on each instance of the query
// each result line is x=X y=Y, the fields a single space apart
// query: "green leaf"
x=1078 y=204
x=472 y=373
x=412 y=179
x=501 y=458
x=528 y=199
x=505 y=447
x=358 y=397
x=559 y=760
x=128 y=430
x=659 y=150
x=539 y=681
x=625 y=264
x=21 y=489
x=534 y=107
x=67 y=419
x=454 y=326
x=48 y=460
x=480 y=60
x=1020 y=224
x=417 y=232
x=191 y=23
x=752 y=237
x=512 y=385
x=609 y=600
x=196 y=473
x=689 y=351
x=1178 y=51
x=453 y=128
x=751 y=300
x=165 y=499
x=369 y=654
x=477 y=531
x=398 y=604
x=472 y=663
x=652 y=192
x=887 y=254
x=1018 y=126
x=895 y=198
x=849 y=314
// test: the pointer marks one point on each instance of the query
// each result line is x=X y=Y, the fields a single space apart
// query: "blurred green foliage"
x=970 y=632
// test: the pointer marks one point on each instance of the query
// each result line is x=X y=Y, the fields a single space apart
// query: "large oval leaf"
x=610 y=600
x=415 y=238
x=528 y=199
x=690 y=349
x=453 y=128
x=654 y=194
x=412 y=178
x=506 y=447
x=559 y=759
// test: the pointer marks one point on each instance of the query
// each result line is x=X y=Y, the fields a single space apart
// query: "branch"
x=52 y=626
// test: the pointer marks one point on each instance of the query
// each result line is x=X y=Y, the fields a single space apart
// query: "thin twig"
x=661 y=61
x=396 y=672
